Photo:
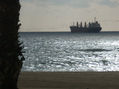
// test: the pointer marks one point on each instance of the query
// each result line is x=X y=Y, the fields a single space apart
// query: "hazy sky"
x=58 y=15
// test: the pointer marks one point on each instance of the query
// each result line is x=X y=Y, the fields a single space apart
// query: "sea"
x=70 y=52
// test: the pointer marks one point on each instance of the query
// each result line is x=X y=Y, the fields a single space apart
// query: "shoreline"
x=68 y=80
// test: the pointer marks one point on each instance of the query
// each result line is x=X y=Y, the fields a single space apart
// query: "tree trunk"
x=10 y=47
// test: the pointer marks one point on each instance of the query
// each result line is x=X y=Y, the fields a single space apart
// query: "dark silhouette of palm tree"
x=11 y=56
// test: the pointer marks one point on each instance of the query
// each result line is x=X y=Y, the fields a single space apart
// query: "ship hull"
x=85 y=30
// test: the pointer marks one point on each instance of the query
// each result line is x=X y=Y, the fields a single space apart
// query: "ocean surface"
x=65 y=51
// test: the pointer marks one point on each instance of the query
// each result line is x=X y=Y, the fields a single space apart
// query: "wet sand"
x=69 y=80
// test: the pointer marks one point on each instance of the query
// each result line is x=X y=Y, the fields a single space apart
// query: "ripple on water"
x=71 y=52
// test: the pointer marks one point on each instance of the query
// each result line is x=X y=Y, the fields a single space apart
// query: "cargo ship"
x=91 y=27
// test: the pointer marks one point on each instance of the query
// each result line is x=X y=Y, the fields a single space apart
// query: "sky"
x=58 y=15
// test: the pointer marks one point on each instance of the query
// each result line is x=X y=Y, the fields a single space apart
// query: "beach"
x=69 y=80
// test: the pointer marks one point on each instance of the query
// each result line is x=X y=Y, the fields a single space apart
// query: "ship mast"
x=81 y=25
x=85 y=25
x=95 y=19
x=77 y=24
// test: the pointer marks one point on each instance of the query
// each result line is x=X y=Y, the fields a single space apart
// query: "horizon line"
x=59 y=31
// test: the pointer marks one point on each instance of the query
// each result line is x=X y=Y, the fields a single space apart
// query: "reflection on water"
x=94 y=50
x=71 y=52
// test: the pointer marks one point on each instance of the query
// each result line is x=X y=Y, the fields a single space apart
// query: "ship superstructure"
x=91 y=27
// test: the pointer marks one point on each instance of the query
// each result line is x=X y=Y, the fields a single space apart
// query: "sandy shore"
x=69 y=80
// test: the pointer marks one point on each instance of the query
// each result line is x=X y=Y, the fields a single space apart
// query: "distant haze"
x=58 y=15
